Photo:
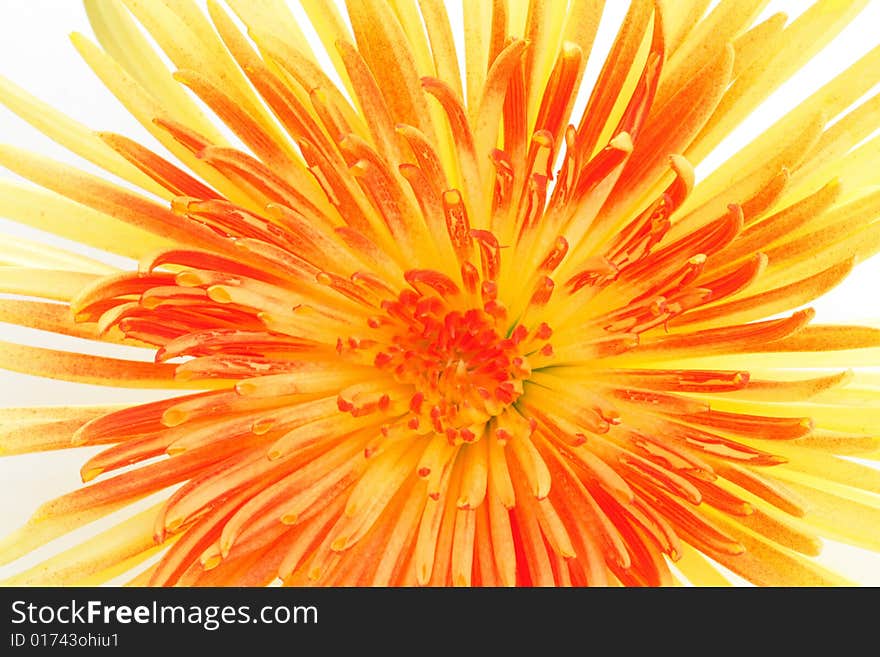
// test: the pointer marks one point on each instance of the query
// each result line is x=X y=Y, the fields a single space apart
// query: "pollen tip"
x=808 y=314
x=452 y=197
x=78 y=316
x=261 y=427
x=181 y=373
x=289 y=518
x=211 y=561
x=245 y=388
x=226 y=543
x=148 y=303
x=359 y=168
x=570 y=48
x=423 y=574
x=173 y=417
x=622 y=142
x=88 y=474
x=274 y=209
x=173 y=524
x=187 y=279
x=219 y=293
x=503 y=436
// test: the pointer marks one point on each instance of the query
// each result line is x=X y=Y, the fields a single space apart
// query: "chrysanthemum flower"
x=431 y=326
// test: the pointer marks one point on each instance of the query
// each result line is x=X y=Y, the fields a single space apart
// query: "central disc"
x=462 y=370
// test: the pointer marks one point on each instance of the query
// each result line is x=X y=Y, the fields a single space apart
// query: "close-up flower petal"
x=385 y=293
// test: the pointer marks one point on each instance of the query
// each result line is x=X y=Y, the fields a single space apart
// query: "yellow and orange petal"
x=438 y=325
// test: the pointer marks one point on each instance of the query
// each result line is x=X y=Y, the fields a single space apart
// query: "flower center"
x=464 y=366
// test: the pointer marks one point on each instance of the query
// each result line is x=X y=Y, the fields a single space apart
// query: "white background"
x=36 y=54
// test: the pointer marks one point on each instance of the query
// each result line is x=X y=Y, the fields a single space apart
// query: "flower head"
x=434 y=328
